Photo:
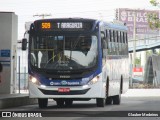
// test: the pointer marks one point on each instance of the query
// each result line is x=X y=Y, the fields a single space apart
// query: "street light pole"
x=41 y=15
x=134 y=40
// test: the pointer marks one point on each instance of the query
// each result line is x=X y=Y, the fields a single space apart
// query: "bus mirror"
x=24 y=44
x=102 y=35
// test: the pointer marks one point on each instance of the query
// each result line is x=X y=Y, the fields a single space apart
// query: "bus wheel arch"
x=108 y=98
x=107 y=86
x=117 y=98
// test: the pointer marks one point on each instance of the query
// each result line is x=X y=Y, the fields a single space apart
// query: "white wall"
x=8 y=41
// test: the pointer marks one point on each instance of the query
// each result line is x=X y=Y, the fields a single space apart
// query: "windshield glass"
x=61 y=52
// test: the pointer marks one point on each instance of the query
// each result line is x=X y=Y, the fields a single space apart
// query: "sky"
x=97 y=9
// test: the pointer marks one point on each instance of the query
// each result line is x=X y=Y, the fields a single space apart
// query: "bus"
x=74 y=59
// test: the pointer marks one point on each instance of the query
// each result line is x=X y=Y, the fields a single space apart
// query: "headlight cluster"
x=34 y=80
x=94 y=80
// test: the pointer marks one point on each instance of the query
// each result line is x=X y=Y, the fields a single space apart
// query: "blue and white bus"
x=77 y=59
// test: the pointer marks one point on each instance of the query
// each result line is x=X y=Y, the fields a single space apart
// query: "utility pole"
x=42 y=15
x=134 y=44
x=134 y=39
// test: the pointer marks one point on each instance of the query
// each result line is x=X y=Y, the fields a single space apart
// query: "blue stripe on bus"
x=5 y=61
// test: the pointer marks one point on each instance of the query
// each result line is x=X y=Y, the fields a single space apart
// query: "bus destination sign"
x=54 y=26
x=70 y=25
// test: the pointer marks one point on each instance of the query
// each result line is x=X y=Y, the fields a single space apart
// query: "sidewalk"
x=142 y=93
x=5 y=96
x=13 y=100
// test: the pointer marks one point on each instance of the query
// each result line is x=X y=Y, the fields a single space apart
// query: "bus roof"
x=110 y=25
x=67 y=19
x=116 y=26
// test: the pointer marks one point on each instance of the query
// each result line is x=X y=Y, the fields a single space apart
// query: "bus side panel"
x=115 y=69
x=114 y=83
x=126 y=75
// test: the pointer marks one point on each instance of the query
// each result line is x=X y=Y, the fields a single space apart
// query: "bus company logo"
x=64 y=83
x=51 y=83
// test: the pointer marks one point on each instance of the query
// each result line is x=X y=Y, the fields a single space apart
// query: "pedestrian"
x=1 y=68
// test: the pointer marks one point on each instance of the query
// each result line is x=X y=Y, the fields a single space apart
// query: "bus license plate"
x=63 y=89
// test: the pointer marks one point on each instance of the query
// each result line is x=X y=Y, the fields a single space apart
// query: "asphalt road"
x=131 y=108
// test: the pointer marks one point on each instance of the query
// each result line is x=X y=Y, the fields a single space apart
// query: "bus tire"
x=42 y=102
x=116 y=99
x=60 y=102
x=109 y=101
x=68 y=102
x=121 y=85
x=100 y=102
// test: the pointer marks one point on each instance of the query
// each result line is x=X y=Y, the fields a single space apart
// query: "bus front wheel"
x=60 y=102
x=42 y=102
x=68 y=102
x=100 y=102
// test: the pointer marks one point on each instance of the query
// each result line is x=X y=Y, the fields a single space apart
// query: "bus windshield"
x=63 y=52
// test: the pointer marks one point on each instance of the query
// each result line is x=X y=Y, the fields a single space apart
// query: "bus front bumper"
x=96 y=90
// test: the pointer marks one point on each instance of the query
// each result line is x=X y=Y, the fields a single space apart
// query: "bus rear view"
x=65 y=62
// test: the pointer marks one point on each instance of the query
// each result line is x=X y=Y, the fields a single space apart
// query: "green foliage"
x=153 y=19
x=154 y=2
x=149 y=53
x=137 y=61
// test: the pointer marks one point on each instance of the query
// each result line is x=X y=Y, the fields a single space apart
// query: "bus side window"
x=126 y=44
x=107 y=38
x=110 y=42
x=119 y=38
x=123 y=43
x=104 y=44
x=126 y=38
x=114 y=43
x=117 y=42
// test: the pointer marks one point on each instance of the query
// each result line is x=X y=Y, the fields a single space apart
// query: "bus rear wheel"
x=42 y=102
x=116 y=99
x=100 y=102
x=109 y=101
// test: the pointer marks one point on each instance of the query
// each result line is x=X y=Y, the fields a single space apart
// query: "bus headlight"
x=94 y=80
x=34 y=80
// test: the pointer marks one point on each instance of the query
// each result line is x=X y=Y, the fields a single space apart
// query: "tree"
x=153 y=19
x=154 y=2
x=138 y=61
